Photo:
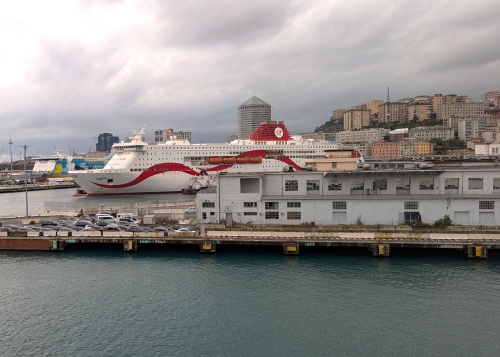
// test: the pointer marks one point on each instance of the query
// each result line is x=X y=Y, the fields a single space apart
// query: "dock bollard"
x=380 y=250
x=477 y=252
x=207 y=247
x=291 y=248
x=130 y=245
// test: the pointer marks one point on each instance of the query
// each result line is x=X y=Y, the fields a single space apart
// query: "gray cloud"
x=188 y=65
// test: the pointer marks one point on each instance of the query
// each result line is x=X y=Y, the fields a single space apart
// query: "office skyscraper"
x=251 y=114
x=105 y=141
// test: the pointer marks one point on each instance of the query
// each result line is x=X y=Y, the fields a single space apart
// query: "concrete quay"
x=36 y=187
x=378 y=243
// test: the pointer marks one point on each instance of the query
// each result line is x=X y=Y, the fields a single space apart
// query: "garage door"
x=487 y=218
x=461 y=217
x=339 y=217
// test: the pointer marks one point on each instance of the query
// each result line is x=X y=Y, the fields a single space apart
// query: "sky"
x=70 y=70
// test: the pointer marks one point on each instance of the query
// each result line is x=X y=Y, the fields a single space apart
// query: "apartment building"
x=461 y=109
x=432 y=132
x=393 y=112
x=365 y=136
x=162 y=135
x=408 y=147
x=419 y=110
x=355 y=119
x=439 y=99
x=373 y=106
x=470 y=128
x=386 y=150
x=424 y=148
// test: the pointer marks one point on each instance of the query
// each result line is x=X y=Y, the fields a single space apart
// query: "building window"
x=339 y=205
x=312 y=185
x=496 y=183
x=293 y=204
x=451 y=183
x=379 y=184
x=411 y=204
x=426 y=184
x=402 y=183
x=486 y=204
x=293 y=215
x=291 y=185
x=357 y=184
x=272 y=215
x=208 y=204
x=475 y=183
x=335 y=185
x=249 y=213
x=249 y=204
x=271 y=205
x=204 y=215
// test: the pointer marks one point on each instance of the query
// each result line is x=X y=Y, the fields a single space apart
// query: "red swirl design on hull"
x=175 y=167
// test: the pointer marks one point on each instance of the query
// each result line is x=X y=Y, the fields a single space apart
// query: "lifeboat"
x=229 y=160
x=255 y=160
x=242 y=160
x=215 y=160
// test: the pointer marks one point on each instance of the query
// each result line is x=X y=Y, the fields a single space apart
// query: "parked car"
x=7 y=229
x=45 y=222
x=186 y=229
x=162 y=229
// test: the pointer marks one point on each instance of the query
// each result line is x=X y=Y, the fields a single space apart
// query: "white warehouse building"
x=398 y=195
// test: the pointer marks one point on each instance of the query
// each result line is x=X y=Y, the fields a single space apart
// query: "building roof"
x=254 y=100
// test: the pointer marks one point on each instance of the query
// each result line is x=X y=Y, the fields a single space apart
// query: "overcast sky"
x=70 y=70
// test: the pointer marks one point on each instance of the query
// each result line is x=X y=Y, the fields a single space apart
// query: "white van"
x=100 y=217
x=127 y=215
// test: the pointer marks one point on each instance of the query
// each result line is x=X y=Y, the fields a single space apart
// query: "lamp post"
x=10 y=143
x=25 y=179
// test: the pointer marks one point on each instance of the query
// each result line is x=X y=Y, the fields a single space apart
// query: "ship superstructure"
x=141 y=167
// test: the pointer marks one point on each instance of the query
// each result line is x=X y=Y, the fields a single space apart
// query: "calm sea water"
x=178 y=302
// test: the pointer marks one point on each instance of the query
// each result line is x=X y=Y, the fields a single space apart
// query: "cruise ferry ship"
x=141 y=167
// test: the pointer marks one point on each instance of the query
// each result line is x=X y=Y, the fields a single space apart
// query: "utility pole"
x=10 y=143
x=25 y=179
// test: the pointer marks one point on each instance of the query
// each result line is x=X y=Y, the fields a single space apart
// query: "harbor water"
x=244 y=301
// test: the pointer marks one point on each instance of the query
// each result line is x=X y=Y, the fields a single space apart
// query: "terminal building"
x=379 y=193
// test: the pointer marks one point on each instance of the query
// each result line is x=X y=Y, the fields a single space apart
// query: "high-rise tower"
x=251 y=114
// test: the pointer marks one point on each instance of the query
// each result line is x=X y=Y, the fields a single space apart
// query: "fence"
x=174 y=209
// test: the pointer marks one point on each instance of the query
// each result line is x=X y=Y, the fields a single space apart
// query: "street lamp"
x=25 y=178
